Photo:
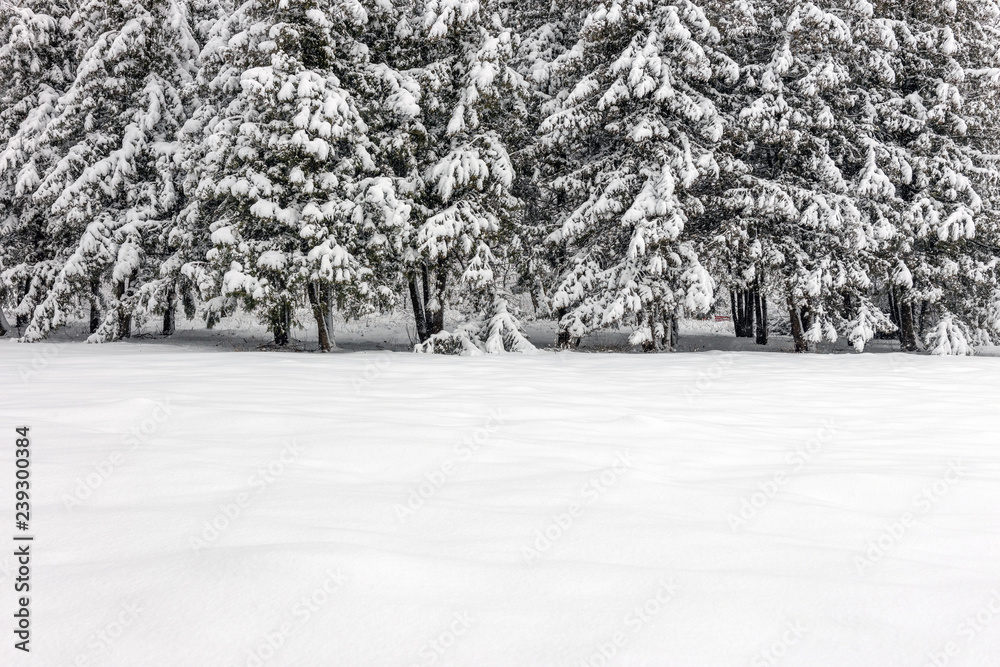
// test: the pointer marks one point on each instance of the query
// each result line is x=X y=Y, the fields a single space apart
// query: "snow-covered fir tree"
x=616 y=160
x=454 y=153
x=800 y=213
x=101 y=166
x=630 y=140
x=942 y=130
x=36 y=65
x=286 y=181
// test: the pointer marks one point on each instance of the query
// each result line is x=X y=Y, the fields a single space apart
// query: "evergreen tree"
x=36 y=65
x=941 y=128
x=286 y=180
x=629 y=142
x=798 y=210
x=454 y=155
x=102 y=163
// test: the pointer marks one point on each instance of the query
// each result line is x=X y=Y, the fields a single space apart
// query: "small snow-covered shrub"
x=948 y=338
x=500 y=333
x=458 y=343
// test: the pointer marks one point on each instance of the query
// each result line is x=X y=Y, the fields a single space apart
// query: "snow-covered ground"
x=384 y=508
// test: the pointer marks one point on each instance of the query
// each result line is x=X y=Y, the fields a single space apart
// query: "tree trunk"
x=282 y=324
x=437 y=322
x=798 y=334
x=893 y=308
x=925 y=309
x=805 y=319
x=743 y=312
x=428 y=308
x=418 y=311
x=187 y=301
x=124 y=316
x=907 y=337
x=760 y=309
x=735 y=312
x=653 y=344
x=170 y=314
x=328 y=314
x=425 y=294
x=21 y=321
x=673 y=332
x=95 y=305
x=319 y=315
x=4 y=324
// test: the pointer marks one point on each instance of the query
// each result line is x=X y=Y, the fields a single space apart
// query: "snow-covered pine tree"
x=286 y=186
x=547 y=31
x=801 y=208
x=36 y=65
x=941 y=133
x=455 y=155
x=500 y=332
x=102 y=164
x=629 y=141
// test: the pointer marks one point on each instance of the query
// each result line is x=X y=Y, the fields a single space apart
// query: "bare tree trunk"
x=798 y=334
x=328 y=314
x=743 y=312
x=907 y=337
x=760 y=308
x=317 y=309
x=735 y=312
x=95 y=304
x=673 y=332
x=170 y=314
x=282 y=324
x=418 y=311
x=425 y=292
x=893 y=308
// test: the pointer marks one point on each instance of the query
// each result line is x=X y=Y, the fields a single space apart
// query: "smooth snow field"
x=243 y=509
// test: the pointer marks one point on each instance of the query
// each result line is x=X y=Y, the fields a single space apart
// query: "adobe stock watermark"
x=44 y=355
x=434 y=649
x=710 y=376
x=776 y=651
x=373 y=370
x=298 y=616
x=258 y=482
x=795 y=460
x=894 y=532
x=435 y=480
x=634 y=621
x=104 y=637
x=137 y=436
x=563 y=521
x=970 y=628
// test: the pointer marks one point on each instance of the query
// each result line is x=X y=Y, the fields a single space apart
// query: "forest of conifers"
x=624 y=163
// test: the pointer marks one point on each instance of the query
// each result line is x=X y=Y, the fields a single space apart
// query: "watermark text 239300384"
x=22 y=540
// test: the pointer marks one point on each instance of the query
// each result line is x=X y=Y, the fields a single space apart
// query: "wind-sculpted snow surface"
x=549 y=509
